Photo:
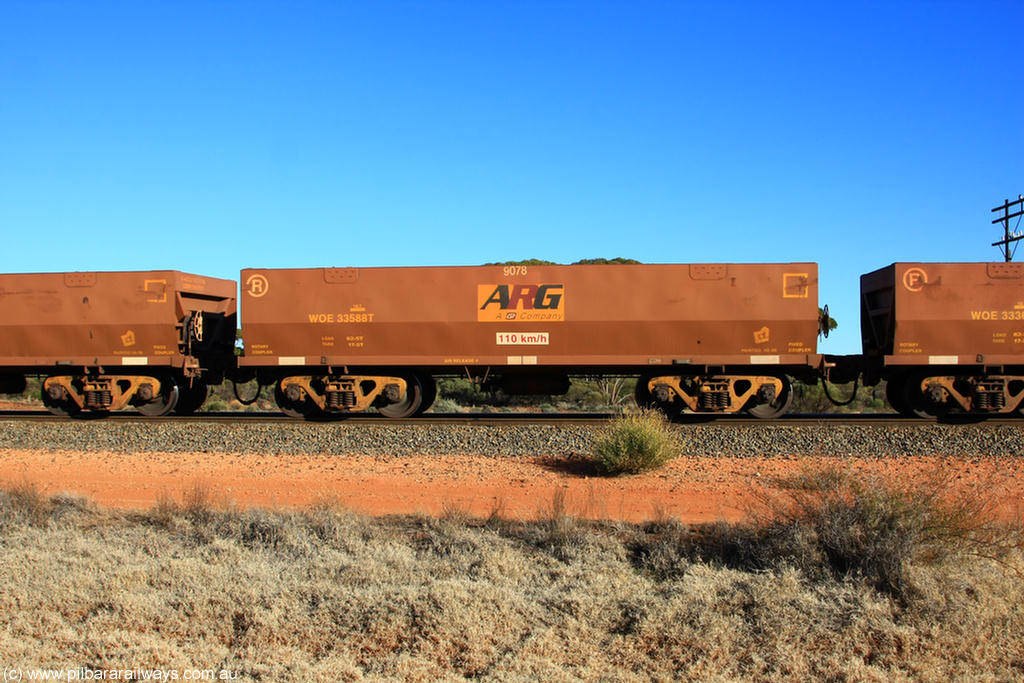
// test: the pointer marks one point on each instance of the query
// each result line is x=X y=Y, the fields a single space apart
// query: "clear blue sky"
x=211 y=136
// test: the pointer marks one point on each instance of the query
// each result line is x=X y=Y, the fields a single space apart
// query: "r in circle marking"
x=257 y=285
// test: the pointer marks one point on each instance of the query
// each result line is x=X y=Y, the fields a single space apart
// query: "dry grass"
x=879 y=530
x=324 y=594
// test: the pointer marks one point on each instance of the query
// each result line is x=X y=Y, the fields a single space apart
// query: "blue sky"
x=212 y=136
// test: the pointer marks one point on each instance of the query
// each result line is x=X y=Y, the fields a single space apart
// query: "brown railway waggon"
x=947 y=337
x=104 y=341
x=702 y=338
x=718 y=338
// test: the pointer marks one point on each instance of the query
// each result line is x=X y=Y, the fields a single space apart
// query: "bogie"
x=762 y=396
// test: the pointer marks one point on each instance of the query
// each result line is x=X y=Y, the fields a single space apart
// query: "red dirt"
x=690 y=489
x=19 y=405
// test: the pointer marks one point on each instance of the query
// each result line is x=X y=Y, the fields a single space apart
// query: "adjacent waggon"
x=701 y=338
x=946 y=337
x=103 y=341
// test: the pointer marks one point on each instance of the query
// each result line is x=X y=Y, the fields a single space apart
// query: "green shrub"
x=634 y=443
x=214 y=405
x=445 y=405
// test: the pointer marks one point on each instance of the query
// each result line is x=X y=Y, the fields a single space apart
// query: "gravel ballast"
x=511 y=441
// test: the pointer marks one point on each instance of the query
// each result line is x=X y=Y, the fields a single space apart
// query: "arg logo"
x=520 y=303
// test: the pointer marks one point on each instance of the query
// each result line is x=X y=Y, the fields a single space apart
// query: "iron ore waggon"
x=107 y=340
x=718 y=338
x=947 y=337
x=704 y=338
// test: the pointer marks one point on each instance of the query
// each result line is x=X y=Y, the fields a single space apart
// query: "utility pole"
x=1004 y=244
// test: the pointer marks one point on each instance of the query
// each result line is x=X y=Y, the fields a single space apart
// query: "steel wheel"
x=895 y=394
x=429 y=387
x=63 y=407
x=300 y=409
x=410 y=403
x=777 y=408
x=642 y=395
x=191 y=398
x=164 y=402
x=915 y=401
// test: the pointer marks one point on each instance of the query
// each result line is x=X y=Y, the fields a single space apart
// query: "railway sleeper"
x=719 y=393
x=339 y=393
x=71 y=394
x=985 y=394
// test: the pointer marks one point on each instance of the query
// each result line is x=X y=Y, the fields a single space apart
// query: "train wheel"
x=301 y=408
x=410 y=404
x=917 y=404
x=642 y=395
x=429 y=387
x=191 y=398
x=645 y=401
x=896 y=394
x=777 y=408
x=59 y=403
x=164 y=402
x=673 y=409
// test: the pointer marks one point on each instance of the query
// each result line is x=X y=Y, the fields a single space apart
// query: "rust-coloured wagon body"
x=946 y=335
x=529 y=326
x=109 y=339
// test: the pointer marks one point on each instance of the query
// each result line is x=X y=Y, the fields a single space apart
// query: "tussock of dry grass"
x=324 y=594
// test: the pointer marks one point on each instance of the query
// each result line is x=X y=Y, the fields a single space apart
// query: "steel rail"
x=499 y=419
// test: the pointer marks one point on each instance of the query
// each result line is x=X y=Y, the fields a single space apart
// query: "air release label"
x=523 y=338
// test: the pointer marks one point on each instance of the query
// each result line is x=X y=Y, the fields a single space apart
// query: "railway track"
x=509 y=419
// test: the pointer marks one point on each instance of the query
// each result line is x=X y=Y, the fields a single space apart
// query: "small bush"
x=848 y=526
x=214 y=405
x=634 y=443
x=445 y=405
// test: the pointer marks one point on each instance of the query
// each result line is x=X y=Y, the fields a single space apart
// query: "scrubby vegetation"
x=634 y=443
x=605 y=394
x=618 y=260
x=812 y=398
x=323 y=594
x=879 y=531
x=831 y=524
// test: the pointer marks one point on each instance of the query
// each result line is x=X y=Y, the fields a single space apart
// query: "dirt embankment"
x=690 y=489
